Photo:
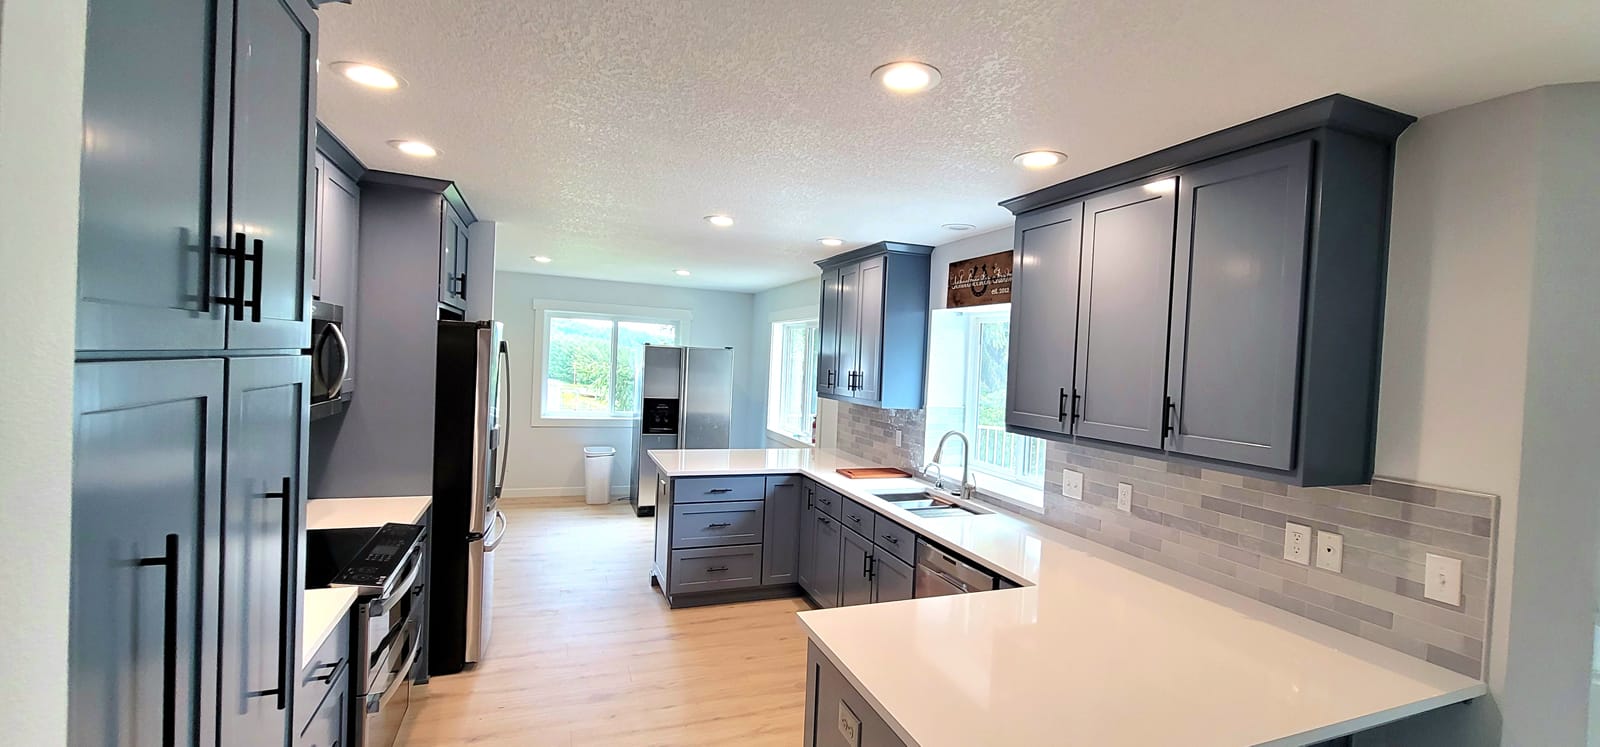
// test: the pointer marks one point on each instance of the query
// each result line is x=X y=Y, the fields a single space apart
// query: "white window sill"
x=788 y=440
x=598 y=422
x=1017 y=495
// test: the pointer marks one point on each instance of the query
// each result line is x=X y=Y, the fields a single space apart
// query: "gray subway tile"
x=1455 y=662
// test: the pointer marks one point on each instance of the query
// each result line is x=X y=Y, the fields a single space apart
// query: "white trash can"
x=597 y=474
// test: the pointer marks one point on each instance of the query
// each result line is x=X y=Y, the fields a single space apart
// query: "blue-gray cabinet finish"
x=1125 y=281
x=855 y=569
x=263 y=506
x=829 y=697
x=716 y=524
x=891 y=577
x=806 y=551
x=453 y=276
x=780 y=537
x=146 y=493
x=336 y=246
x=1276 y=299
x=874 y=325
x=322 y=682
x=1039 y=391
x=826 y=546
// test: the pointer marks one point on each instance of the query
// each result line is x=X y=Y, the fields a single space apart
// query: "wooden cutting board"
x=873 y=473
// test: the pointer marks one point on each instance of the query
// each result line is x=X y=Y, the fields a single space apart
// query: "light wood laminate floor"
x=584 y=650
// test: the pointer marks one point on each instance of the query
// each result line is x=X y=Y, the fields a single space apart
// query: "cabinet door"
x=451 y=262
x=891 y=578
x=837 y=715
x=807 y=538
x=1044 y=319
x=149 y=192
x=1122 y=313
x=272 y=147
x=825 y=560
x=1236 y=308
x=829 y=376
x=463 y=255
x=849 y=329
x=781 y=535
x=855 y=569
x=146 y=486
x=338 y=237
x=869 y=345
x=327 y=728
x=266 y=449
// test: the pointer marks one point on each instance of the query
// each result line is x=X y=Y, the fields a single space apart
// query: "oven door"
x=389 y=695
x=385 y=615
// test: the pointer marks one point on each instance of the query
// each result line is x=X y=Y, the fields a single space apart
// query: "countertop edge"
x=855 y=682
x=310 y=644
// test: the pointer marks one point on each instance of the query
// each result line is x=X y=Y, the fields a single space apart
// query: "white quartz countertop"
x=320 y=613
x=1100 y=648
x=352 y=513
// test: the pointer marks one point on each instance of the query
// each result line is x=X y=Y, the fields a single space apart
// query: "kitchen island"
x=1095 y=648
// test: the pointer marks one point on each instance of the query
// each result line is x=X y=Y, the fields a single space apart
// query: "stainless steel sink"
x=925 y=503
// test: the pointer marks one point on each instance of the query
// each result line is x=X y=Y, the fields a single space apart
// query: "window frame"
x=778 y=321
x=546 y=311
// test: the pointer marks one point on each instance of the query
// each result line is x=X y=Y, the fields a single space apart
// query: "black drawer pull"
x=854 y=518
x=720 y=490
x=718 y=569
x=825 y=501
x=719 y=525
x=333 y=670
x=892 y=539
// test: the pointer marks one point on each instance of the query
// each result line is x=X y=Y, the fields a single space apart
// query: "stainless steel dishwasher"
x=939 y=573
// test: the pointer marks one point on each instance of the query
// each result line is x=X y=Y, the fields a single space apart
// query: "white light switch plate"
x=1297 y=543
x=899 y=438
x=1330 y=551
x=1072 y=484
x=1124 y=497
x=849 y=726
x=1443 y=579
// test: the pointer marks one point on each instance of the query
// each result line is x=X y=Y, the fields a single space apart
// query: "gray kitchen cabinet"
x=855 y=569
x=891 y=577
x=1126 y=276
x=715 y=569
x=780 y=536
x=329 y=725
x=836 y=714
x=453 y=255
x=272 y=145
x=1274 y=322
x=875 y=304
x=1236 y=336
x=827 y=544
x=337 y=239
x=146 y=493
x=321 y=680
x=806 y=533
x=263 y=503
x=716 y=524
x=154 y=189
x=1044 y=314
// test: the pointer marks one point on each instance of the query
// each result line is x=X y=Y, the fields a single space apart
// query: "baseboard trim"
x=617 y=491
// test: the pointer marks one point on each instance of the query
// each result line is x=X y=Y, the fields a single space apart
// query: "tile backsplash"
x=1227 y=530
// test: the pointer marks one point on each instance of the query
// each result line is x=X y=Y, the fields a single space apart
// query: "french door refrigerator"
x=685 y=402
x=470 y=439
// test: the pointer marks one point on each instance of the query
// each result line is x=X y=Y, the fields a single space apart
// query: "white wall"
x=41 y=94
x=988 y=242
x=799 y=297
x=548 y=460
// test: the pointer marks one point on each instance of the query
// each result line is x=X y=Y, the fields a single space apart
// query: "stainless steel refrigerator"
x=472 y=398
x=685 y=402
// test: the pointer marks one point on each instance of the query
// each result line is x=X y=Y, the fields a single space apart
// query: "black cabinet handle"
x=1169 y=414
x=285 y=627
x=866 y=566
x=236 y=258
x=830 y=378
x=719 y=525
x=257 y=257
x=1061 y=406
x=333 y=671
x=720 y=490
x=854 y=518
x=718 y=569
x=824 y=520
x=1075 y=399
x=893 y=540
x=169 y=641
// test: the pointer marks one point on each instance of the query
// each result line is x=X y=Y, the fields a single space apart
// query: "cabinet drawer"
x=828 y=502
x=858 y=517
x=716 y=524
x=898 y=540
x=715 y=569
x=326 y=670
x=718 y=489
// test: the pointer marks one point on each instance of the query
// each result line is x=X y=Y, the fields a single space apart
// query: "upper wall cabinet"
x=197 y=147
x=874 y=325
x=1220 y=301
x=336 y=248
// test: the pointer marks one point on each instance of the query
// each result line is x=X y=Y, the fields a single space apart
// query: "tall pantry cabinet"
x=191 y=403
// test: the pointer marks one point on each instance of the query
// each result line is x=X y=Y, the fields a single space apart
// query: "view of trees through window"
x=591 y=363
x=792 y=391
x=1006 y=455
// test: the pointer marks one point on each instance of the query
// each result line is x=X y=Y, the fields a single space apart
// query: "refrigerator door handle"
x=492 y=539
x=504 y=420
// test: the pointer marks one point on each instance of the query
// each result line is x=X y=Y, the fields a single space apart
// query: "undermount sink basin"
x=924 y=503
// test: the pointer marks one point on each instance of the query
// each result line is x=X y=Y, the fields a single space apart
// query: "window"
x=792 y=389
x=969 y=395
x=590 y=362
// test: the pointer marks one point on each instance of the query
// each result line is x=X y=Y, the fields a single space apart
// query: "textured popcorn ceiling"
x=599 y=133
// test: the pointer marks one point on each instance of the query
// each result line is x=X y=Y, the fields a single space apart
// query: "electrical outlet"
x=899 y=438
x=1297 y=543
x=1443 y=582
x=1072 y=484
x=1125 y=497
x=1330 y=551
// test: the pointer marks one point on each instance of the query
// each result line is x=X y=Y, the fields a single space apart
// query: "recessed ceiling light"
x=907 y=76
x=830 y=241
x=1165 y=186
x=415 y=148
x=370 y=76
x=1039 y=159
x=541 y=259
x=720 y=221
x=681 y=273
x=958 y=226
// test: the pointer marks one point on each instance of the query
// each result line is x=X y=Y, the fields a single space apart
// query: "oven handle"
x=344 y=360
x=401 y=589
x=377 y=701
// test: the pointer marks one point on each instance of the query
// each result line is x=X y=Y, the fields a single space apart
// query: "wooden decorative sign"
x=980 y=281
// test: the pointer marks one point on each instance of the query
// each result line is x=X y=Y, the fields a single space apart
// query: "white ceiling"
x=600 y=132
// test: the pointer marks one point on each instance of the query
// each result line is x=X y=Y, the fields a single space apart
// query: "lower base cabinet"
x=837 y=715
x=855 y=569
x=330 y=723
x=891 y=578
